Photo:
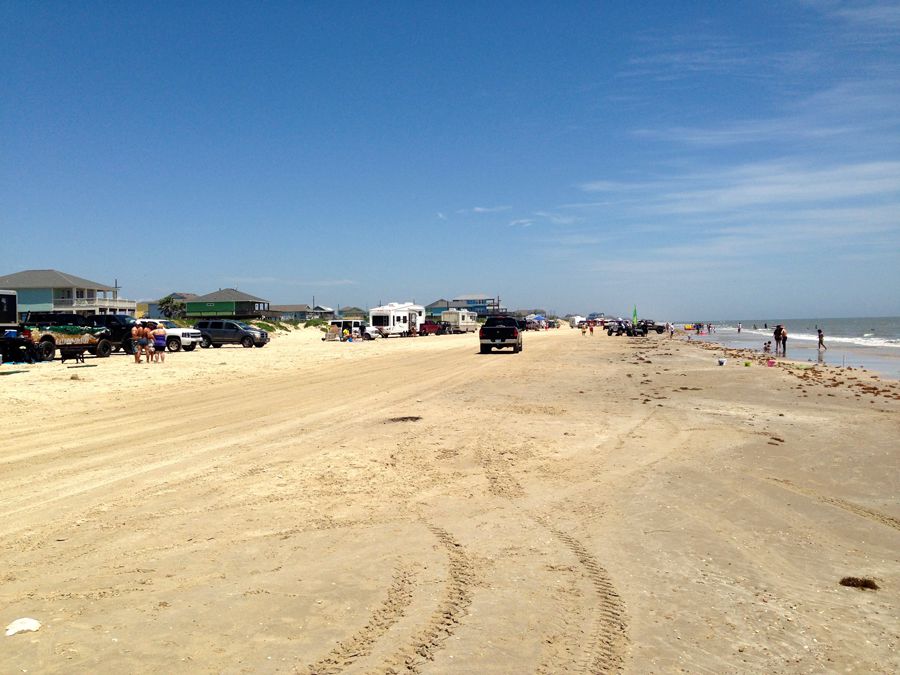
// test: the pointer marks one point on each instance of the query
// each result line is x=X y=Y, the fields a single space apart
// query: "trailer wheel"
x=46 y=350
x=103 y=349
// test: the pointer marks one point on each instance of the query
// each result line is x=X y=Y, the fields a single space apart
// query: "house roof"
x=48 y=279
x=473 y=296
x=289 y=308
x=440 y=302
x=352 y=310
x=227 y=295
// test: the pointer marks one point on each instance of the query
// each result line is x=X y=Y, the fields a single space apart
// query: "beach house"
x=55 y=291
x=481 y=304
x=226 y=302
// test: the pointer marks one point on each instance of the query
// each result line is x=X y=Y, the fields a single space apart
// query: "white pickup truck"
x=177 y=338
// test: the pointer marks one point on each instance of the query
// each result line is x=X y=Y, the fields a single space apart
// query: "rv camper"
x=397 y=318
x=460 y=320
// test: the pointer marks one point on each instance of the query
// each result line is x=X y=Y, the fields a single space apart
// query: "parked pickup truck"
x=434 y=328
x=177 y=338
x=499 y=332
x=70 y=333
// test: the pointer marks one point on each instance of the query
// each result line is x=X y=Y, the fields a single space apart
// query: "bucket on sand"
x=722 y=362
x=770 y=363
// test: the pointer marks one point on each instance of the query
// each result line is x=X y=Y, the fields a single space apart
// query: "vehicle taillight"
x=515 y=332
x=26 y=333
x=481 y=333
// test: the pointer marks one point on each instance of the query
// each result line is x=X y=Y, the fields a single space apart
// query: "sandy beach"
x=593 y=504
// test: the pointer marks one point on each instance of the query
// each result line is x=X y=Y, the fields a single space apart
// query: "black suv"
x=119 y=326
x=218 y=332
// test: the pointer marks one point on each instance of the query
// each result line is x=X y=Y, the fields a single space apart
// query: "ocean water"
x=868 y=342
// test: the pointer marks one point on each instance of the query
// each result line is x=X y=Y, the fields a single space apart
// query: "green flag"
x=634 y=316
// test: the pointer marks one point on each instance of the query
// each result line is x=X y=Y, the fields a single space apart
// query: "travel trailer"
x=460 y=320
x=397 y=318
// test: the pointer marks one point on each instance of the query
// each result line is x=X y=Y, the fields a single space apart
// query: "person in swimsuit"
x=784 y=342
x=777 y=337
x=159 y=343
x=144 y=340
x=822 y=346
x=137 y=331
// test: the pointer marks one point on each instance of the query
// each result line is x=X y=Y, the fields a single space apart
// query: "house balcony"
x=93 y=304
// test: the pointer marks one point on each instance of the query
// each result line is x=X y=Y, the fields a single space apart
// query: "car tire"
x=173 y=344
x=103 y=349
x=260 y=344
x=485 y=349
x=247 y=342
x=189 y=347
x=128 y=346
x=205 y=342
x=46 y=350
x=217 y=346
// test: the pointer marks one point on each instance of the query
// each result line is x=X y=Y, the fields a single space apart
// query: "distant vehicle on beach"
x=499 y=332
x=430 y=327
x=397 y=318
x=177 y=338
x=460 y=320
x=356 y=327
x=119 y=326
x=218 y=332
x=70 y=333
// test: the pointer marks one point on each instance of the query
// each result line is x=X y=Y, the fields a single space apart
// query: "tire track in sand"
x=856 y=509
x=443 y=622
x=347 y=652
x=605 y=649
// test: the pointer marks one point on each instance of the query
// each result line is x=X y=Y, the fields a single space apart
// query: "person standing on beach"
x=137 y=332
x=777 y=337
x=783 y=341
x=739 y=328
x=159 y=343
x=822 y=346
x=583 y=330
x=592 y=329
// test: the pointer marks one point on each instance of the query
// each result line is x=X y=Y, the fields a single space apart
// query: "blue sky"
x=705 y=159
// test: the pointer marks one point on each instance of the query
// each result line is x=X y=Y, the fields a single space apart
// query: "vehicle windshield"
x=167 y=324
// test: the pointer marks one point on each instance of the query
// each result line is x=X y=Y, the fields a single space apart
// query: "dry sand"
x=593 y=504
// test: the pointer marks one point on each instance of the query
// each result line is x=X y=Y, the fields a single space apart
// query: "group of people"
x=149 y=342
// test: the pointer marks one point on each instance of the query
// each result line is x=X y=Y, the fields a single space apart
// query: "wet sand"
x=593 y=504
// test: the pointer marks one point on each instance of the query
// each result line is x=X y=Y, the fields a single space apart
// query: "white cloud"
x=485 y=209
x=441 y=215
x=521 y=222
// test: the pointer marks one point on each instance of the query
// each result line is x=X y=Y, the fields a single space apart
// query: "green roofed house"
x=226 y=302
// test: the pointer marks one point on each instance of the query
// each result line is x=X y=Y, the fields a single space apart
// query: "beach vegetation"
x=171 y=308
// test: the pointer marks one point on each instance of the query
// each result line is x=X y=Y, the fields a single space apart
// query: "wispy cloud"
x=558 y=219
x=441 y=215
x=484 y=209
x=521 y=222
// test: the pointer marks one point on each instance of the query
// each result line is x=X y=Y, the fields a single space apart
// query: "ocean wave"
x=866 y=340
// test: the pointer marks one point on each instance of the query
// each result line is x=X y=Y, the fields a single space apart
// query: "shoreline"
x=881 y=360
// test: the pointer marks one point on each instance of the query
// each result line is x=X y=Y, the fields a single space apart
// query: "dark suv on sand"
x=218 y=332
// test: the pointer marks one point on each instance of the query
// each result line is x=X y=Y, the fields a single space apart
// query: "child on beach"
x=767 y=347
